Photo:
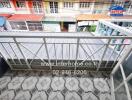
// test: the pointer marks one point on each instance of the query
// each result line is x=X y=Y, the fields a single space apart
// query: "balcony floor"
x=36 y=85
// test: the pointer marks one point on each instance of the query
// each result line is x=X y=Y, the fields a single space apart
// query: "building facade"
x=61 y=15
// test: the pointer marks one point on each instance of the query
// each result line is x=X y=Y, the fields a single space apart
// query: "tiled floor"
x=27 y=85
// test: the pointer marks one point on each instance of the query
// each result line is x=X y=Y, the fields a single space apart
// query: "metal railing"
x=121 y=76
x=35 y=50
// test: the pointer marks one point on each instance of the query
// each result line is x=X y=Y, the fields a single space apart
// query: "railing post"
x=112 y=88
x=15 y=54
x=125 y=83
x=107 y=45
x=128 y=51
x=46 y=48
x=77 y=50
x=55 y=54
x=22 y=53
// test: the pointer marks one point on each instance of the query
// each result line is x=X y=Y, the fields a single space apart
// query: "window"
x=20 y=4
x=68 y=4
x=5 y=4
x=37 y=6
x=18 y=25
x=84 y=4
x=53 y=7
x=34 y=26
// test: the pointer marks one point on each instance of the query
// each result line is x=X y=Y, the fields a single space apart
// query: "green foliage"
x=92 y=28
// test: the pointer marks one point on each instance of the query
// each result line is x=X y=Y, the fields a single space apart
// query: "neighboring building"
x=22 y=6
x=88 y=22
x=61 y=7
x=62 y=15
x=26 y=22
x=102 y=6
x=86 y=6
x=59 y=24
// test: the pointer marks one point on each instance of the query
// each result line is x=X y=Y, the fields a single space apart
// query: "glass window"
x=121 y=94
x=130 y=87
x=84 y=4
x=68 y=5
x=35 y=26
x=5 y=4
x=118 y=79
x=20 y=4
x=18 y=25
x=53 y=7
x=37 y=6
x=127 y=65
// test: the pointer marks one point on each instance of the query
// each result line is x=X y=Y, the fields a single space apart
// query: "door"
x=37 y=7
x=53 y=7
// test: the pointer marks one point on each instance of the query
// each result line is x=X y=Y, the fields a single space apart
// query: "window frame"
x=68 y=4
x=20 y=4
x=5 y=4
x=84 y=5
x=15 y=27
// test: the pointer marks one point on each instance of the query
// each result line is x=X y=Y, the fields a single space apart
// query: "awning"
x=2 y=21
x=86 y=0
x=95 y=1
x=92 y=17
x=60 y=19
x=26 y=17
x=5 y=15
x=123 y=17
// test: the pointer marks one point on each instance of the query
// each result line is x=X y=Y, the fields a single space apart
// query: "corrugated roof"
x=86 y=17
x=123 y=17
x=26 y=17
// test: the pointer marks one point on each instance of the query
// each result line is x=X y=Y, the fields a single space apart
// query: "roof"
x=86 y=0
x=58 y=19
x=5 y=15
x=26 y=17
x=87 y=17
x=2 y=21
x=123 y=17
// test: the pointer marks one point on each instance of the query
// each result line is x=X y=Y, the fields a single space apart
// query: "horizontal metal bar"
x=57 y=35
x=69 y=43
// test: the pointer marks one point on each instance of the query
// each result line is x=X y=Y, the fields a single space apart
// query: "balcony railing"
x=35 y=50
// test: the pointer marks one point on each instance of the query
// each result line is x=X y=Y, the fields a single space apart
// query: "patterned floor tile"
x=56 y=96
x=101 y=85
x=4 y=81
x=7 y=95
x=105 y=96
x=39 y=96
x=16 y=83
x=86 y=84
x=72 y=96
x=29 y=83
x=23 y=95
x=43 y=83
x=89 y=96
x=57 y=83
x=72 y=84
